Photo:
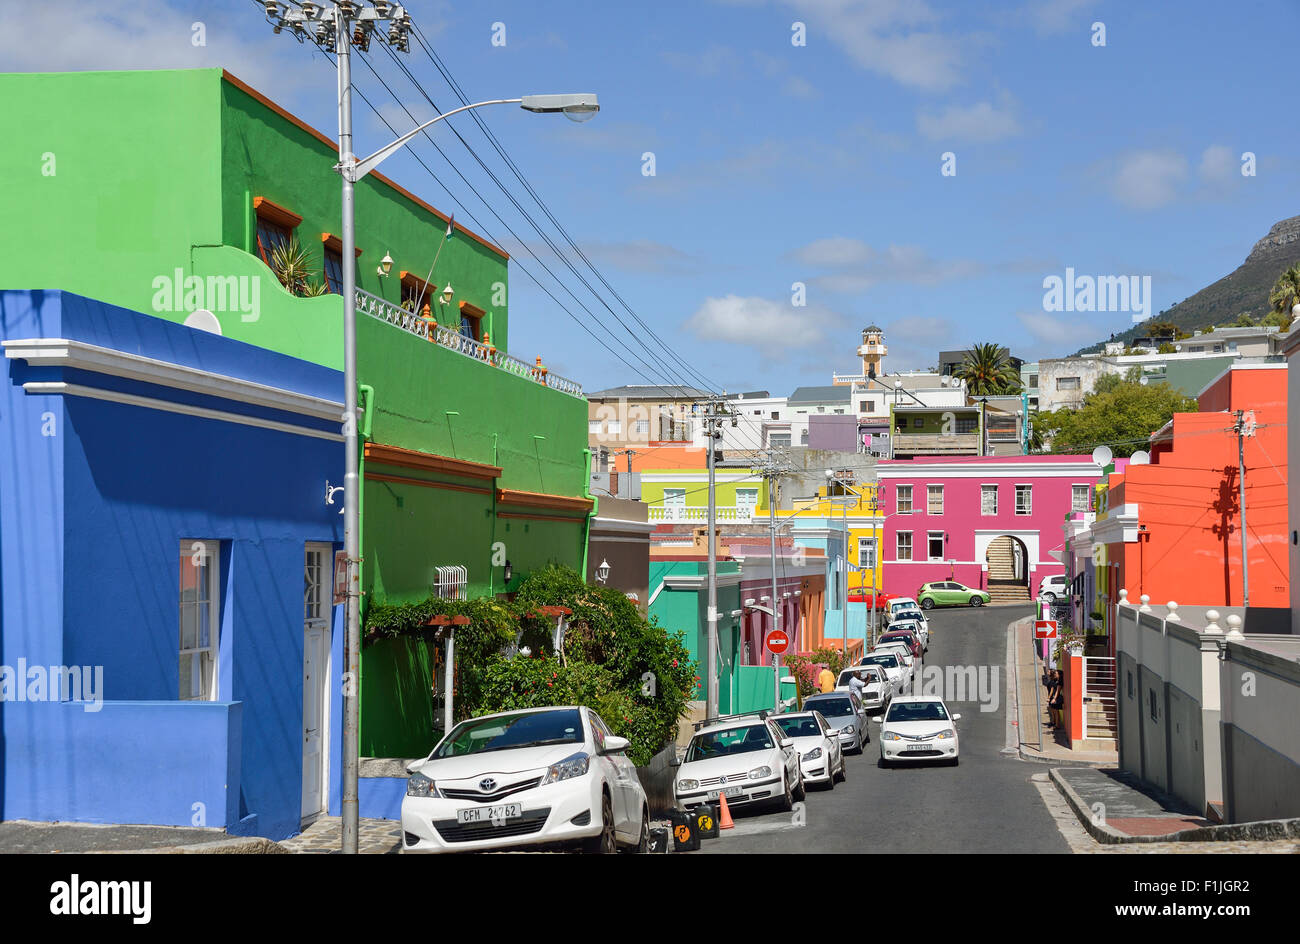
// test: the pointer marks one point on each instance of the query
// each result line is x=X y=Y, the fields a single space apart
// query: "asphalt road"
x=985 y=804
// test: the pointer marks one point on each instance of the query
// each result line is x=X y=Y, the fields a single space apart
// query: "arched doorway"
x=1008 y=562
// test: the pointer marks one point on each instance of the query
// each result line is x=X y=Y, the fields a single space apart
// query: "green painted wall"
x=686 y=611
x=396 y=707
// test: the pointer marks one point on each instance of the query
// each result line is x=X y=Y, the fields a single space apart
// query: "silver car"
x=842 y=710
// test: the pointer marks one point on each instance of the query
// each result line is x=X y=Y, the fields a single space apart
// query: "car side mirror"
x=786 y=742
x=956 y=717
x=615 y=745
x=833 y=732
x=675 y=762
x=879 y=719
x=415 y=765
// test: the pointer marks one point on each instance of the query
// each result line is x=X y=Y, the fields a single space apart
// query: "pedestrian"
x=856 y=685
x=1056 y=700
x=826 y=680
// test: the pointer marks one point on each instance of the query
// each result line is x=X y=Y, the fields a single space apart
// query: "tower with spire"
x=872 y=350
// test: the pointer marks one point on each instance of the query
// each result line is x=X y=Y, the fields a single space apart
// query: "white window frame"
x=984 y=491
x=929 y=538
x=451 y=582
x=1029 y=506
x=899 y=499
x=929 y=499
x=641 y=427
x=615 y=427
x=898 y=545
x=196 y=552
x=1086 y=495
x=867 y=553
x=595 y=427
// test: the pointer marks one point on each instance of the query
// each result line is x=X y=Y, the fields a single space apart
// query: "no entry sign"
x=777 y=642
x=1044 y=629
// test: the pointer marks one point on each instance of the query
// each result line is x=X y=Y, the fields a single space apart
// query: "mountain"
x=1246 y=288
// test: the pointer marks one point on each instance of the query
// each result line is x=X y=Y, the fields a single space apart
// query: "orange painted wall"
x=1187 y=499
x=672 y=456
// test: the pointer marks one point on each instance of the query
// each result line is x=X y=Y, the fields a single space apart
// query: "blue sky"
x=819 y=164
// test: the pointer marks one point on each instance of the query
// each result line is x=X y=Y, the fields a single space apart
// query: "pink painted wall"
x=1051 y=477
x=755 y=625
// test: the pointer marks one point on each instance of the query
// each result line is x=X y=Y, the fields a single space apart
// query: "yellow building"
x=821 y=523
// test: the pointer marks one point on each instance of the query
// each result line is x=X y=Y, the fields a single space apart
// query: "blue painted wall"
x=91 y=520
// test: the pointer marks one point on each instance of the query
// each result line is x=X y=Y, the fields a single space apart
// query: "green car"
x=949 y=593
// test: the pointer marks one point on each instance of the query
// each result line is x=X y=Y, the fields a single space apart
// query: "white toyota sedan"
x=920 y=728
x=818 y=745
x=535 y=776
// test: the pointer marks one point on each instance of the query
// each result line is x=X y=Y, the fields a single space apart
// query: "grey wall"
x=1259 y=782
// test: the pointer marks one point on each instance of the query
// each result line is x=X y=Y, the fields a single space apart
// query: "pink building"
x=988 y=522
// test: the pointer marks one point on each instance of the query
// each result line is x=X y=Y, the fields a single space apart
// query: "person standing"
x=826 y=680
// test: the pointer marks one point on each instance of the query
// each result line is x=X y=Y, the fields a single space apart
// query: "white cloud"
x=1218 y=163
x=980 y=122
x=1053 y=335
x=856 y=266
x=798 y=87
x=1145 y=180
x=1059 y=16
x=769 y=326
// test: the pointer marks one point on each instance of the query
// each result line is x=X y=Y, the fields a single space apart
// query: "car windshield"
x=868 y=674
x=504 y=732
x=908 y=614
x=917 y=711
x=799 y=727
x=831 y=707
x=725 y=741
x=889 y=662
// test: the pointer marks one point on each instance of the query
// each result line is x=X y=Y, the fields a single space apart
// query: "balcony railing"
x=443 y=336
x=936 y=444
x=734 y=514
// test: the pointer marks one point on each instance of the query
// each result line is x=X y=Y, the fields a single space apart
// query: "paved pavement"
x=19 y=836
x=375 y=837
x=1125 y=804
x=986 y=804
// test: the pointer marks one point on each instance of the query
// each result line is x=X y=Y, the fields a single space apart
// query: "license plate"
x=916 y=747
x=490 y=814
x=729 y=791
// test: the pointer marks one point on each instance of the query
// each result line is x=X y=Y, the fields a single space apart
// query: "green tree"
x=988 y=371
x=1244 y=320
x=1122 y=414
x=1161 y=329
x=1284 y=297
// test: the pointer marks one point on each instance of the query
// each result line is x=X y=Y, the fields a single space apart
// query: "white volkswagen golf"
x=917 y=727
x=746 y=758
x=536 y=776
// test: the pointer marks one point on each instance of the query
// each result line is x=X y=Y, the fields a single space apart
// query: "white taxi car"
x=818 y=745
x=746 y=758
x=535 y=776
x=918 y=728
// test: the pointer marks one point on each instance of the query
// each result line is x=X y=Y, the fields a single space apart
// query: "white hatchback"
x=818 y=745
x=745 y=758
x=536 y=776
x=918 y=728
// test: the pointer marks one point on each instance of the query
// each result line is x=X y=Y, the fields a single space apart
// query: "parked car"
x=877 y=688
x=913 y=615
x=891 y=663
x=1054 y=588
x=911 y=666
x=899 y=604
x=746 y=758
x=903 y=635
x=918 y=727
x=818 y=744
x=844 y=711
x=950 y=593
x=535 y=776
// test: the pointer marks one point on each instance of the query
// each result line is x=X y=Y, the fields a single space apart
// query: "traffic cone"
x=724 y=818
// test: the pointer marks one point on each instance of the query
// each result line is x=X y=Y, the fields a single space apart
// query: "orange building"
x=1172 y=528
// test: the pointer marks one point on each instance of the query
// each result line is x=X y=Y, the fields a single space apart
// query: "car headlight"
x=848 y=729
x=890 y=736
x=418 y=785
x=685 y=785
x=758 y=773
x=815 y=753
x=575 y=765
x=945 y=734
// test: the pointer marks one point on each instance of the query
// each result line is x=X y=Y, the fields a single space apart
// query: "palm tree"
x=988 y=371
x=1285 y=295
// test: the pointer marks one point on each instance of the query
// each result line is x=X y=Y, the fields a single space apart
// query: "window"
x=1033 y=381
x=776 y=416
x=966 y=424
x=778 y=439
x=471 y=321
x=417 y=294
x=934 y=499
x=803 y=437
x=868 y=406
x=1078 y=498
x=904 y=499
x=988 y=499
x=594 y=427
x=275 y=226
x=904 y=549
x=451 y=582
x=1130 y=684
x=867 y=553
x=1024 y=499
x=641 y=427
x=747 y=497
x=936 y=545
x=917 y=422
x=334 y=271
x=1067 y=383
x=200 y=611
x=1196 y=349
x=1151 y=702
x=615 y=427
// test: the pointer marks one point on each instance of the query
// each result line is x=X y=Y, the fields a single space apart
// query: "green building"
x=167 y=192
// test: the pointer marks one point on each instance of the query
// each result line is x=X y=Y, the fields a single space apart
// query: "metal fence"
x=1100 y=705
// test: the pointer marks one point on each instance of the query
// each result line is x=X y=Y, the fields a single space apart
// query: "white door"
x=675 y=504
x=315 y=673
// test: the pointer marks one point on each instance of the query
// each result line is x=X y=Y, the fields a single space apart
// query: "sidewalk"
x=1034 y=729
x=375 y=837
x=21 y=836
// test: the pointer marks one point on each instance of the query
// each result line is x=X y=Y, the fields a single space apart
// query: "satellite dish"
x=203 y=320
x=1141 y=457
x=1102 y=455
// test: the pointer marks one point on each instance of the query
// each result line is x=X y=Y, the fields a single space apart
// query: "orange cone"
x=724 y=816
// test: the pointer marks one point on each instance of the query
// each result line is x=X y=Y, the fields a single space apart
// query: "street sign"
x=1045 y=629
x=777 y=642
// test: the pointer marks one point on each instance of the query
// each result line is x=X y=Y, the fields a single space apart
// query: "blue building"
x=169 y=649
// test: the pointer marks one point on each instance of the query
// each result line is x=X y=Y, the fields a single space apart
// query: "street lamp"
x=602 y=572
x=340 y=22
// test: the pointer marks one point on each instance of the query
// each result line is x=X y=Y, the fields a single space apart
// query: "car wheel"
x=605 y=842
x=800 y=790
x=882 y=763
x=786 y=802
x=844 y=770
x=643 y=843
x=1049 y=597
x=927 y=604
x=976 y=601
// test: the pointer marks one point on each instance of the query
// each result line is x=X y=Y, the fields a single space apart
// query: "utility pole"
x=1243 y=427
x=712 y=417
x=770 y=473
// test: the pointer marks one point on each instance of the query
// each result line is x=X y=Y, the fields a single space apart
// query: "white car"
x=911 y=666
x=913 y=615
x=818 y=745
x=746 y=758
x=1054 y=588
x=536 y=776
x=918 y=727
x=901 y=603
x=919 y=629
x=877 y=689
x=891 y=662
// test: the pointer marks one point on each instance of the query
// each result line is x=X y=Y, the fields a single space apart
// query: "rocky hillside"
x=1244 y=289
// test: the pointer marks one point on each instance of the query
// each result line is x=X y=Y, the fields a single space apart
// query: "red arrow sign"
x=777 y=642
x=1044 y=629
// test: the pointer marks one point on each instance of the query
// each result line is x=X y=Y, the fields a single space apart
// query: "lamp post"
x=339 y=23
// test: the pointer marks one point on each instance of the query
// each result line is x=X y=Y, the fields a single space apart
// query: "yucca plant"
x=294 y=267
